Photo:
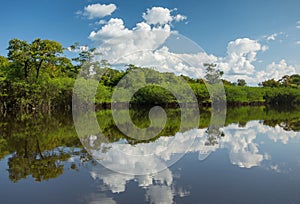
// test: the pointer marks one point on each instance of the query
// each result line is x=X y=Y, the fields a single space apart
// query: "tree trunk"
x=38 y=69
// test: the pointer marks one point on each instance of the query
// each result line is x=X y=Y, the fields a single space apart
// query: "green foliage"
x=282 y=95
x=292 y=81
x=201 y=92
x=270 y=83
x=36 y=75
x=236 y=94
x=37 y=145
x=295 y=79
x=213 y=75
x=241 y=82
x=103 y=94
x=152 y=95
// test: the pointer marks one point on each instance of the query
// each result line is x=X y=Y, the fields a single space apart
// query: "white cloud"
x=144 y=45
x=243 y=149
x=157 y=15
x=277 y=134
x=118 y=42
x=160 y=187
x=241 y=53
x=244 y=152
x=244 y=47
x=298 y=42
x=98 y=10
x=113 y=29
x=180 y=17
x=276 y=71
x=271 y=37
x=115 y=40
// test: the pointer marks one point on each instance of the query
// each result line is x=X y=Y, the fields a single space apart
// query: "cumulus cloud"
x=115 y=40
x=159 y=187
x=98 y=10
x=157 y=15
x=298 y=42
x=145 y=45
x=113 y=29
x=277 y=134
x=241 y=53
x=244 y=152
x=276 y=70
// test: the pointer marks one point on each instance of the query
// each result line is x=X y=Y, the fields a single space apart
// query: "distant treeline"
x=37 y=75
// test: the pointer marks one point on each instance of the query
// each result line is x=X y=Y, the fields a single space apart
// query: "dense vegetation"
x=38 y=75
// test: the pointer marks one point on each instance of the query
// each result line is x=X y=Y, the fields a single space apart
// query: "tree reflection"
x=213 y=135
x=288 y=125
x=37 y=145
x=41 y=145
x=42 y=166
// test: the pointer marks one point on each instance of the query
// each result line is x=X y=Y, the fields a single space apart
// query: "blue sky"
x=212 y=24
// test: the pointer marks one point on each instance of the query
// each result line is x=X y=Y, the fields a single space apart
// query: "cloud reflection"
x=244 y=147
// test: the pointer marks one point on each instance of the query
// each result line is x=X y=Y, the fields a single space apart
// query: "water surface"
x=254 y=158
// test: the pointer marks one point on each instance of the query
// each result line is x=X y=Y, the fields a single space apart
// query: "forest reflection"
x=44 y=146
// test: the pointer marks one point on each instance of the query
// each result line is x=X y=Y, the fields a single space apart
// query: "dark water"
x=254 y=158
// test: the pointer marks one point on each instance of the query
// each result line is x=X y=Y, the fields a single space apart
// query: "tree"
x=19 y=54
x=34 y=56
x=241 y=82
x=271 y=83
x=290 y=81
x=86 y=60
x=296 y=79
x=36 y=75
x=44 y=51
x=213 y=75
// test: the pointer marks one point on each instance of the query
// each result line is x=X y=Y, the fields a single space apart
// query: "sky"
x=254 y=40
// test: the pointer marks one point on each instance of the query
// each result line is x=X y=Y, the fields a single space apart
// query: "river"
x=252 y=158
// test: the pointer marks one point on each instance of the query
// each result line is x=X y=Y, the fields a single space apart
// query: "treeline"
x=38 y=75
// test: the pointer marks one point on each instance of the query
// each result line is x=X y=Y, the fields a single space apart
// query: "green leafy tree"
x=32 y=57
x=213 y=75
x=44 y=52
x=295 y=79
x=241 y=82
x=271 y=83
